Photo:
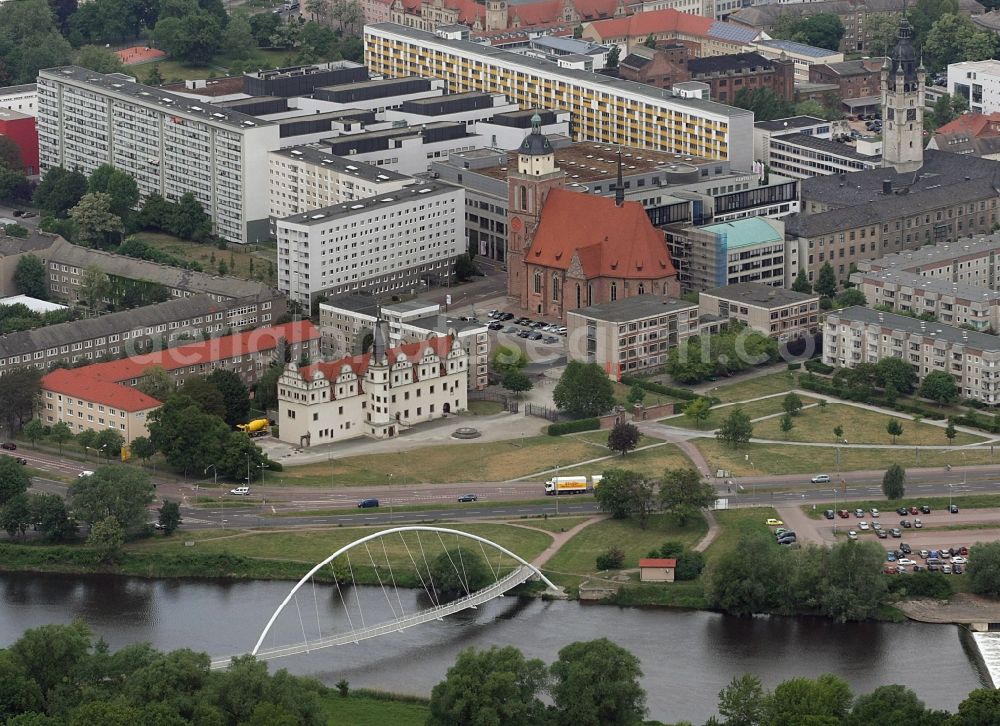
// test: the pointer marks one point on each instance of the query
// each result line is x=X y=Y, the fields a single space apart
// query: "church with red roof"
x=500 y=15
x=568 y=250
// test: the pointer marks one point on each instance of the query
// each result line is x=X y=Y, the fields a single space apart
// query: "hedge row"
x=573 y=427
x=819 y=385
x=682 y=393
x=815 y=365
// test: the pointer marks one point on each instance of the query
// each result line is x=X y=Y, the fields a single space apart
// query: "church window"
x=555 y=286
x=642 y=288
x=578 y=295
x=614 y=291
x=524 y=199
x=538 y=282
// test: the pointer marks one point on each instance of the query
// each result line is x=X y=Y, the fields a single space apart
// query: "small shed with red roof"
x=656 y=569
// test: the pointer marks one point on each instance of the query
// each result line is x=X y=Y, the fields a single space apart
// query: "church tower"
x=527 y=188
x=903 y=106
x=496 y=14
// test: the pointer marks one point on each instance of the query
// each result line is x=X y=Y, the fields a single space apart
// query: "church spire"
x=620 y=187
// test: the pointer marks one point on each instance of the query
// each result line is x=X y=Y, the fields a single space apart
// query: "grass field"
x=577 y=557
x=735 y=523
x=650 y=462
x=359 y=710
x=312 y=546
x=754 y=387
x=861 y=426
x=448 y=463
x=552 y=524
x=621 y=392
x=485 y=408
x=600 y=439
x=172 y=71
x=788 y=459
x=236 y=257
x=753 y=409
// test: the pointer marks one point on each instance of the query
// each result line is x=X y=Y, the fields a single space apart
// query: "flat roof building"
x=728 y=253
x=782 y=314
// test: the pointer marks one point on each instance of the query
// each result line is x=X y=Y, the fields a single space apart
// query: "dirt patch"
x=962 y=608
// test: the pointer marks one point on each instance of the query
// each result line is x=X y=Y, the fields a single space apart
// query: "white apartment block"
x=384 y=244
x=978 y=82
x=647 y=117
x=407 y=149
x=377 y=395
x=169 y=144
x=20 y=98
x=302 y=178
x=782 y=314
x=346 y=321
x=862 y=335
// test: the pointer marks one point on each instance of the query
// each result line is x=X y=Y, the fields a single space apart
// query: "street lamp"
x=215 y=474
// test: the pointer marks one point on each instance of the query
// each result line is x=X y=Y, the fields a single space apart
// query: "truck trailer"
x=572 y=484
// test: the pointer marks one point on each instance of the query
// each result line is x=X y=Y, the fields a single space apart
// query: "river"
x=687 y=657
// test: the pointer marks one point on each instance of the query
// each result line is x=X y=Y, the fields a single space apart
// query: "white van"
x=241 y=491
x=85 y=473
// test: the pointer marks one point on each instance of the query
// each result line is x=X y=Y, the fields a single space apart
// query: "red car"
x=844 y=514
x=890 y=570
x=8 y=446
x=914 y=510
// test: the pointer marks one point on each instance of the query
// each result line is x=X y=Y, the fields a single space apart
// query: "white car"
x=862 y=525
x=918 y=524
x=876 y=525
x=85 y=473
x=874 y=511
x=240 y=491
x=905 y=561
x=852 y=535
x=959 y=560
x=821 y=479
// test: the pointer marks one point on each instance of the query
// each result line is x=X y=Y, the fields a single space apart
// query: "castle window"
x=555 y=286
x=538 y=283
x=614 y=291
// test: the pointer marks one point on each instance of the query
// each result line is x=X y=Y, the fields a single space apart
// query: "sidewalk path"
x=561 y=538
x=710 y=535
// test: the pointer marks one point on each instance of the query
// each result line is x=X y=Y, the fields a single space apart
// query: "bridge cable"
x=343 y=600
x=392 y=578
x=430 y=576
x=486 y=557
x=319 y=627
x=462 y=561
x=416 y=568
x=302 y=624
x=453 y=565
x=357 y=597
x=379 y=577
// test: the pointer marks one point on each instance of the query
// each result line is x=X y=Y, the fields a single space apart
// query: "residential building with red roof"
x=502 y=15
x=568 y=250
x=104 y=395
x=975 y=134
x=377 y=394
x=712 y=37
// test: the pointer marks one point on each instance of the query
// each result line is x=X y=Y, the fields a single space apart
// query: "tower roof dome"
x=904 y=57
x=535 y=143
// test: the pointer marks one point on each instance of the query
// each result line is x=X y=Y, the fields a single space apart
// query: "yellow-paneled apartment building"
x=604 y=109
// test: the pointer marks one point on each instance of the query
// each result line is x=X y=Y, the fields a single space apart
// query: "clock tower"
x=903 y=106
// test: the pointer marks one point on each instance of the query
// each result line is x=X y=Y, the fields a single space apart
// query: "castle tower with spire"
x=527 y=188
x=903 y=105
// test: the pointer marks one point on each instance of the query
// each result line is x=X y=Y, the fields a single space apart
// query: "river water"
x=687 y=657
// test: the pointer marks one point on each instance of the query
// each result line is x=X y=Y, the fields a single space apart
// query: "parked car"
x=852 y=534
x=876 y=526
x=9 y=446
x=368 y=503
x=895 y=533
x=862 y=525
x=22 y=462
x=906 y=561
x=890 y=556
x=917 y=523
x=828 y=514
x=535 y=336
x=511 y=330
x=925 y=554
x=881 y=533
x=902 y=511
x=924 y=509
x=946 y=569
x=844 y=514
x=506 y=316
x=495 y=325
x=890 y=570
x=821 y=479
x=469 y=498
x=905 y=523
x=957 y=569
x=953 y=509
x=550 y=339
x=905 y=548
x=523 y=333
x=964 y=551
x=84 y=474
x=859 y=513
x=243 y=491
x=772 y=522
x=874 y=512
x=914 y=511
x=958 y=560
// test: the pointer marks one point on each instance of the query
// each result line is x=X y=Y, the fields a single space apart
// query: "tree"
x=465 y=268
x=741 y=703
x=802 y=283
x=99 y=59
x=897 y=372
x=52 y=654
x=33 y=430
x=765 y=103
x=188 y=219
x=265 y=390
x=495 y=686
x=516 y=381
x=894 y=482
x=823 y=30
x=891 y=394
x=119 y=186
x=954 y=37
x=943 y=112
x=583 y=390
x=650 y=41
x=939 y=386
x=457 y=572
x=13 y=479
x=826 y=282
x=234 y=393
x=623 y=493
x=106 y=537
x=49 y=513
x=169 y=517
x=838 y=432
x=154 y=77
x=890 y=705
x=95 y=224
x=15 y=515
x=10 y=155
x=825 y=700
x=142 y=447
x=623 y=437
x=597 y=683
x=118 y=492
x=19 y=392
x=109 y=442
x=950 y=432
x=508 y=358
x=984 y=568
x=29 y=41
x=208 y=397
x=699 y=409
x=156 y=383
x=881 y=32
x=59 y=191
x=614 y=55
x=855 y=586
x=238 y=41
x=736 y=429
x=850 y=297
x=193 y=39
x=792 y=404
x=894 y=428
x=14 y=187
x=30 y=278
x=683 y=493
x=636 y=394
x=786 y=424
x=980 y=708
x=741 y=581
x=60 y=433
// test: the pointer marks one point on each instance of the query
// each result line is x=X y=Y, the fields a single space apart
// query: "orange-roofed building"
x=378 y=394
x=104 y=395
x=711 y=37
x=656 y=569
x=568 y=250
x=490 y=15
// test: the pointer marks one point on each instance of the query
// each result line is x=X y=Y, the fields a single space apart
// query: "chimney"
x=887 y=186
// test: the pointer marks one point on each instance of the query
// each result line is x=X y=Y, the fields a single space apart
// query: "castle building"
x=903 y=106
x=377 y=394
x=568 y=249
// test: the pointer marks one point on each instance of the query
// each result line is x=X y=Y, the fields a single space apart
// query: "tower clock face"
x=516 y=224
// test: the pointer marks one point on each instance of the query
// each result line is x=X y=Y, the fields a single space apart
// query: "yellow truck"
x=257 y=427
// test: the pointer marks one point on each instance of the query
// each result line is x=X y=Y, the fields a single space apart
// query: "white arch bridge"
x=411 y=553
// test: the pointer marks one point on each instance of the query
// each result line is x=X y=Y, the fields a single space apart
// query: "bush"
x=923 y=584
x=690 y=563
x=613 y=559
x=794 y=366
x=274 y=466
x=815 y=365
x=682 y=393
x=574 y=427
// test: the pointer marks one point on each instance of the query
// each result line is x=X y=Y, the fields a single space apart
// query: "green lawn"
x=238 y=258
x=788 y=459
x=173 y=71
x=860 y=425
x=553 y=524
x=650 y=462
x=312 y=546
x=360 y=710
x=448 y=463
x=577 y=557
x=600 y=439
x=621 y=392
x=754 y=387
x=485 y=408
x=753 y=409
x=735 y=523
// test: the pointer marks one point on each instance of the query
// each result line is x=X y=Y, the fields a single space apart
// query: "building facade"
x=385 y=244
x=630 y=336
x=861 y=335
x=705 y=35
x=803 y=56
x=978 y=82
x=169 y=144
x=20 y=128
x=655 y=120
x=379 y=394
x=785 y=315
x=22 y=98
